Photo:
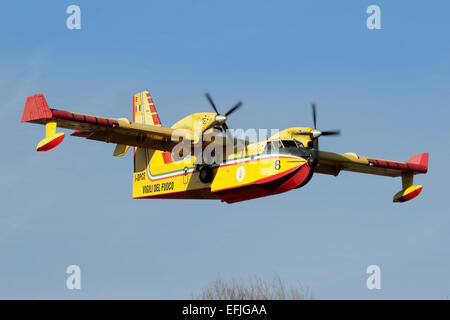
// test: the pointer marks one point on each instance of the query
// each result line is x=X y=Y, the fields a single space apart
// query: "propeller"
x=221 y=119
x=314 y=135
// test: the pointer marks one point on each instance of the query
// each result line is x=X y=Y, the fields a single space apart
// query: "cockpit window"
x=275 y=144
x=289 y=144
x=284 y=144
x=298 y=143
x=293 y=147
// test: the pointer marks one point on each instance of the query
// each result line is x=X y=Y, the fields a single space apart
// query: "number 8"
x=277 y=165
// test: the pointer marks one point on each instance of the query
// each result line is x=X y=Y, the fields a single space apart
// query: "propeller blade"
x=315 y=134
x=221 y=118
x=316 y=152
x=224 y=126
x=212 y=125
x=331 y=132
x=211 y=102
x=227 y=131
x=314 y=113
x=233 y=109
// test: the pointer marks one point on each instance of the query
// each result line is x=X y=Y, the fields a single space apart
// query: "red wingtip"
x=420 y=160
x=36 y=108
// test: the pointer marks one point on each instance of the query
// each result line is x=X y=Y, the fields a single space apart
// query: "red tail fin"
x=36 y=108
x=419 y=161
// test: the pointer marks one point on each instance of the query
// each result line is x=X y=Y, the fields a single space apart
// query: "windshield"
x=289 y=143
x=293 y=147
x=298 y=143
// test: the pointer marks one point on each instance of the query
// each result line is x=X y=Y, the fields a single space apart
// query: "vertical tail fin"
x=144 y=111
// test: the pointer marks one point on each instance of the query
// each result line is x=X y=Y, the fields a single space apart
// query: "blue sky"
x=387 y=90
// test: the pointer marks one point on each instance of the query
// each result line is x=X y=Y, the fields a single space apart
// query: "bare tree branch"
x=254 y=289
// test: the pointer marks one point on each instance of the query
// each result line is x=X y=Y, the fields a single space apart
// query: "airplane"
x=285 y=161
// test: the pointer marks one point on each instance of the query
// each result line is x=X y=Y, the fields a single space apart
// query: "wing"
x=119 y=131
x=332 y=163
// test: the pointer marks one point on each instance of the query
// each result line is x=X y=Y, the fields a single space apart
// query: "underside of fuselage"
x=266 y=187
x=267 y=175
